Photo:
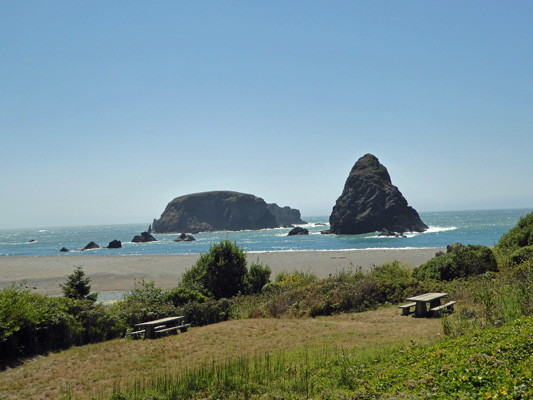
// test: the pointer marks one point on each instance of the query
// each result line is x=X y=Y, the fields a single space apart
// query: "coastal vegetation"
x=300 y=336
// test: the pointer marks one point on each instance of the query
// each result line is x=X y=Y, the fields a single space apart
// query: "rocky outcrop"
x=217 y=211
x=371 y=203
x=114 y=244
x=387 y=233
x=91 y=246
x=298 y=231
x=185 y=238
x=144 y=238
x=285 y=216
x=64 y=250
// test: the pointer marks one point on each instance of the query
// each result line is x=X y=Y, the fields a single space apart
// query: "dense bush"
x=459 y=263
x=210 y=312
x=181 y=295
x=256 y=278
x=521 y=255
x=221 y=273
x=95 y=322
x=520 y=235
x=31 y=323
x=145 y=303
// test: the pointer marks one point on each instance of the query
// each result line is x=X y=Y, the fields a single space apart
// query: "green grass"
x=490 y=363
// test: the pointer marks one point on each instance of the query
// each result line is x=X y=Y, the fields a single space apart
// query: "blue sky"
x=110 y=109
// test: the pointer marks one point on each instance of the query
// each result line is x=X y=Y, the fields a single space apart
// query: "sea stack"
x=222 y=211
x=371 y=203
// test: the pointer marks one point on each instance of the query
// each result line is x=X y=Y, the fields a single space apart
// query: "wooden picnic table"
x=162 y=325
x=422 y=300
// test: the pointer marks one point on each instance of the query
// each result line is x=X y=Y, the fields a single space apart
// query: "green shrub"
x=460 y=263
x=220 y=272
x=96 y=323
x=181 y=295
x=258 y=276
x=31 y=323
x=210 y=312
x=296 y=278
x=520 y=235
x=147 y=302
x=521 y=255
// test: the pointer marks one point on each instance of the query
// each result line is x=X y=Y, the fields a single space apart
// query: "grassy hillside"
x=94 y=370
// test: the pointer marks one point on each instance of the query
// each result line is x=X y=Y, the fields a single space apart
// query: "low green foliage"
x=32 y=324
x=521 y=255
x=298 y=294
x=206 y=313
x=492 y=299
x=146 y=302
x=182 y=295
x=520 y=235
x=459 y=263
x=256 y=278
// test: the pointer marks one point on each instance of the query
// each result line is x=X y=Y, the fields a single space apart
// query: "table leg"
x=434 y=303
x=149 y=332
x=421 y=309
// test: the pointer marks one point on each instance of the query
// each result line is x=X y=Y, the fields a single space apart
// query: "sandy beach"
x=119 y=273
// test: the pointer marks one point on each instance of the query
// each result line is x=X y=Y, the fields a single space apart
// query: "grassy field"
x=92 y=371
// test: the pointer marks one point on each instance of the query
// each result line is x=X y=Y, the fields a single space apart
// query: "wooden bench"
x=136 y=333
x=435 y=311
x=406 y=308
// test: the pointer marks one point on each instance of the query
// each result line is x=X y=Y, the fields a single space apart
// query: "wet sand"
x=119 y=273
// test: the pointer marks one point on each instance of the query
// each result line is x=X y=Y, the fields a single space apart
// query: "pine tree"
x=78 y=287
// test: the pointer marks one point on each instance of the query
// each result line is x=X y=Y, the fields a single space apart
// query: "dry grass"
x=91 y=371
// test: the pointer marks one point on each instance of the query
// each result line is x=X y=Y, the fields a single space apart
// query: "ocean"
x=483 y=227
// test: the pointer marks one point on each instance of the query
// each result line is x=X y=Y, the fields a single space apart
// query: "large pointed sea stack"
x=371 y=203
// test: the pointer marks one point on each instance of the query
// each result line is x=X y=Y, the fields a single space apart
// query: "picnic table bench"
x=158 y=326
x=421 y=305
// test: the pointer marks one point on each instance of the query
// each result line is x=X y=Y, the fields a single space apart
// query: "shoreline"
x=119 y=273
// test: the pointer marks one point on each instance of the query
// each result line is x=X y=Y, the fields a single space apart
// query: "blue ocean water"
x=467 y=227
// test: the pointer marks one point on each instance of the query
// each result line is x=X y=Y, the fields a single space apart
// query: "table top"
x=427 y=297
x=161 y=321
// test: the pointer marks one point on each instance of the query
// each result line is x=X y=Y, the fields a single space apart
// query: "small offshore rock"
x=91 y=246
x=64 y=250
x=114 y=244
x=143 y=238
x=31 y=241
x=388 y=233
x=185 y=238
x=298 y=231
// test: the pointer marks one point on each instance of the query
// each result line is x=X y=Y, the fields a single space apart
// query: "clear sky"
x=110 y=109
